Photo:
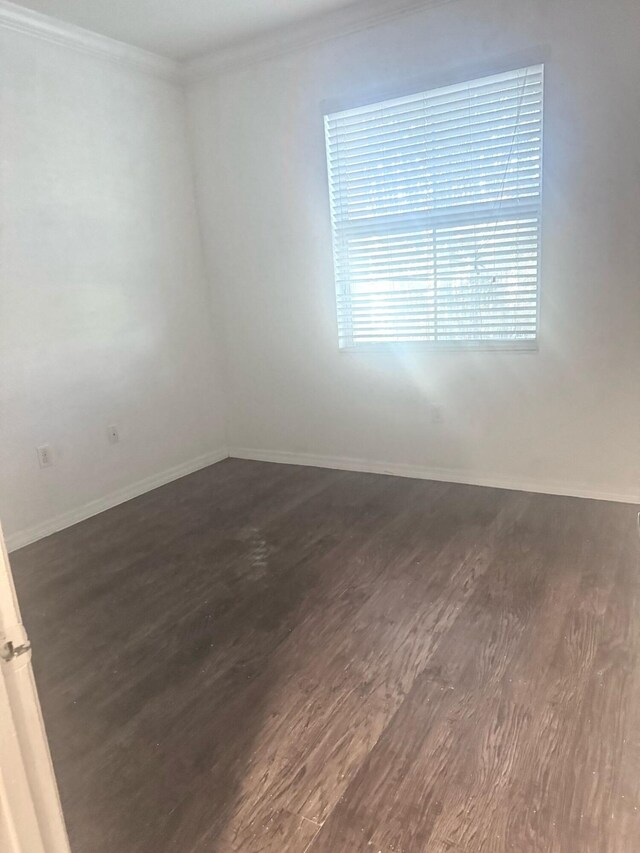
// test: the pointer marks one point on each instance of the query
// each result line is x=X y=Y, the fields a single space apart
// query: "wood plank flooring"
x=263 y=658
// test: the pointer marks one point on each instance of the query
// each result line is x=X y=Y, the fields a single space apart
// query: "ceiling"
x=183 y=29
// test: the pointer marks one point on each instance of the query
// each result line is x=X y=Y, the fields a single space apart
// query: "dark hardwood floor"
x=266 y=658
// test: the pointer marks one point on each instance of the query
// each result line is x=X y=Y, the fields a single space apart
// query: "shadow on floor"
x=156 y=629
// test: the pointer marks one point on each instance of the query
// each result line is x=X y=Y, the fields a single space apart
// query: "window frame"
x=416 y=86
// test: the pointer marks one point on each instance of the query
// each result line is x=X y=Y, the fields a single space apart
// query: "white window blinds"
x=435 y=203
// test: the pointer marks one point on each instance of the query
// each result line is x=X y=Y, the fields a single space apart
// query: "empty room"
x=320 y=426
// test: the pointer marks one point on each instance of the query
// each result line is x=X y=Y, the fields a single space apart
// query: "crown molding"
x=295 y=37
x=22 y=20
x=342 y=22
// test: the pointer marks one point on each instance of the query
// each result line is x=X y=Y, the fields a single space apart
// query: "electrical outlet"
x=112 y=434
x=45 y=456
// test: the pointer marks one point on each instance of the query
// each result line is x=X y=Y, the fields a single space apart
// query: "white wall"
x=104 y=305
x=105 y=309
x=566 y=418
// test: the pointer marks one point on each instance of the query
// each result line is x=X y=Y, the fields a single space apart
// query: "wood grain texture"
x=263 y=658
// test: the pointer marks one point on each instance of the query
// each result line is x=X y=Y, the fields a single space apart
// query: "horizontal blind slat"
x=438 y=196
x=466 y=143
x=501 y=115
x=374 y=190
x=435 y=209
x=458 y=214
x=460 y=238
x=512 y=149
x=429 y=296
x=438 y=100
x=508 y=158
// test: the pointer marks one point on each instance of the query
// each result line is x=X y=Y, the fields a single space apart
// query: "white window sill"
x=445 y=346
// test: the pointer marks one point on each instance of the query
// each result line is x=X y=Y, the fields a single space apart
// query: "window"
x=435 y=205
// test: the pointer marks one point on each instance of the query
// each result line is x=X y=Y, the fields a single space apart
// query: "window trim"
x=444 y=346
x=416 y=85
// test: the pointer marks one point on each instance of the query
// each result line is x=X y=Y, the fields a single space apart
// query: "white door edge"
x=31 y=818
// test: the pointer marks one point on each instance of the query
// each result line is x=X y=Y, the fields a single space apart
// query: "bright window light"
x=436 y=209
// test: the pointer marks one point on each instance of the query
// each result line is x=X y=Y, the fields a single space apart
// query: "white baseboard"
x=60 y=522
x=340 y=463
x=445 y=475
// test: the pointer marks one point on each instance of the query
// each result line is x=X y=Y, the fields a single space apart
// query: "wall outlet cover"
x=45 y=456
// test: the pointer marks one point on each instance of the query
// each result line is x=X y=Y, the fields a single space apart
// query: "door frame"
x=31 y=819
